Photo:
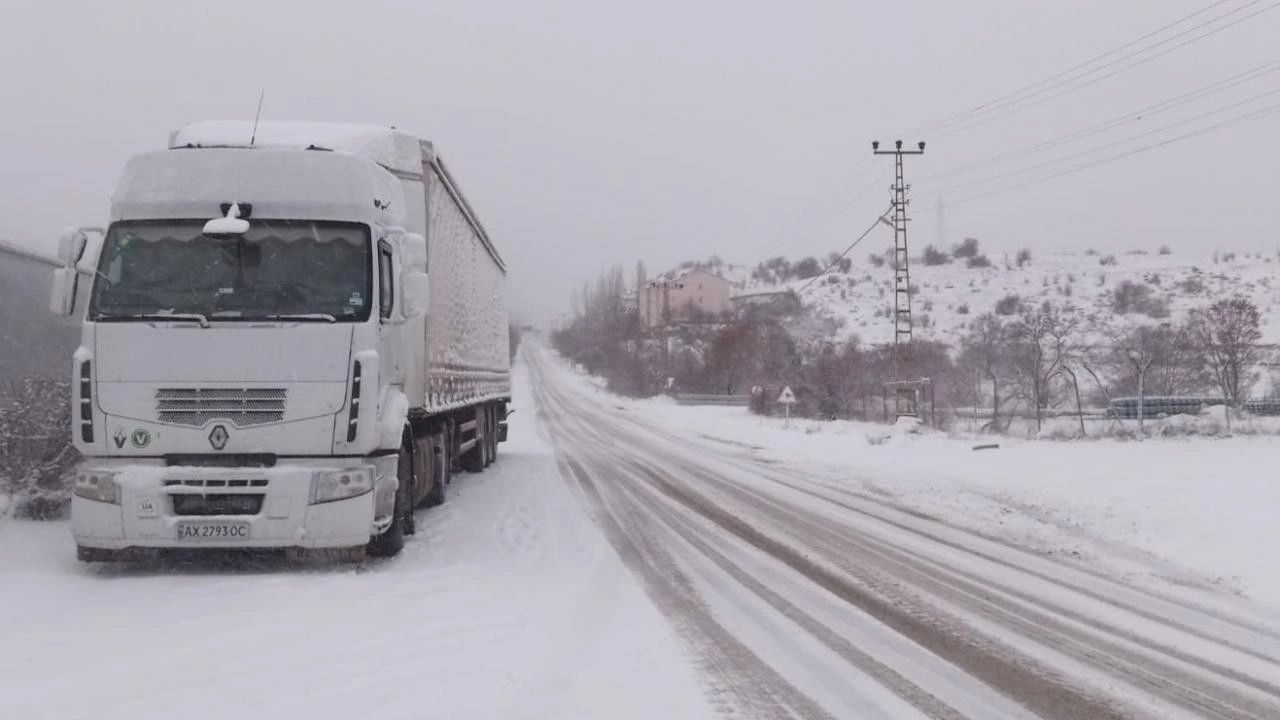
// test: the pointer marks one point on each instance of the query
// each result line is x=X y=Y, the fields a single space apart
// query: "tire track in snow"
x=621 y=450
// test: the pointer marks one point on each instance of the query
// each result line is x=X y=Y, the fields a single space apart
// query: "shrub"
x=963 y=309
x=1023 y=257
x=1131 y=297
x=1191 y=286
x=1165 y=250
x=978 y=261
x=807 y=268
x=966 y=249
x=1009 y=305
x=1107 y=260
x=35 y=446
x=934 y=256
x=876 y=260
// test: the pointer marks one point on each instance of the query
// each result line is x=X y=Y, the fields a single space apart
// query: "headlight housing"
x=331 y=485
x=97 y=485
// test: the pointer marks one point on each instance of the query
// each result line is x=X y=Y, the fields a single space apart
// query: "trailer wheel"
x=473 y=459
x=439 y=470
x=391 y=542
x=490 y=435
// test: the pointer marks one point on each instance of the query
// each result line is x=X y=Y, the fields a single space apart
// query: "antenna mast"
x=254 y=136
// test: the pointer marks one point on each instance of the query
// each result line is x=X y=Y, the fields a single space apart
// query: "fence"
x=707 y=399
x=1127 y=408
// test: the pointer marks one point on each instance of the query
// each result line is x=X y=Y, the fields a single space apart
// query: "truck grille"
x=243 y=407
x=220 y=504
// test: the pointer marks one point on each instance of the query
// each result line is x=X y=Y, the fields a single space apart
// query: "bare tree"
x=1034 y=361
x=1228 y=331
x=985 y=350
x=1136 y=349
x=1069 y=354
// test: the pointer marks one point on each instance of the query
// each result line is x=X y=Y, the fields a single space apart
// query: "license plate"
x=193 y=531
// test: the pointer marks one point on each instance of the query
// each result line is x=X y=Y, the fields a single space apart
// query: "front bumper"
x=146 y=517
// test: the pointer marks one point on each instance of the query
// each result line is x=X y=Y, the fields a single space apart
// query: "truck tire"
x=473 y=459
x=439 y=470
x=391 y=542
x=490 y=435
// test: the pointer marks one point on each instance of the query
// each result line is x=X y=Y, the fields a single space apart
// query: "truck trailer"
x=292 y=335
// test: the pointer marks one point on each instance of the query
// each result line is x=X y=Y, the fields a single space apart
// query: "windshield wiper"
x=187 y=317
x=319 y=317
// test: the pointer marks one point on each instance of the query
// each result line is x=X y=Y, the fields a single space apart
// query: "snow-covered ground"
x=948 y=297
x=508 y=603
x=1197 y=512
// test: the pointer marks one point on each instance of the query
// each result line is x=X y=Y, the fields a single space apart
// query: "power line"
x=1017 y=102
x=1108 y=146
x=857 y=192
x=1013 y=108
x=946 y=121
x=1132 y=116
x=814 y=210
x=879 y=219
x=1261 y=112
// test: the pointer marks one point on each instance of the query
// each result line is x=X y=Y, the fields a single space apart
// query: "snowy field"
x=507 y=604
x=948 y=297
x=1197 y=512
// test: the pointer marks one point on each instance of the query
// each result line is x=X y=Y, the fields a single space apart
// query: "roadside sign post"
x=787 y=398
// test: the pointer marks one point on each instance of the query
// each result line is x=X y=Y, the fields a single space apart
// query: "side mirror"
x=414 y=294
x=71 y=246
x=62 y=294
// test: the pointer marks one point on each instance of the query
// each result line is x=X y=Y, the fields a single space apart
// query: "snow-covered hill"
x=948 y=297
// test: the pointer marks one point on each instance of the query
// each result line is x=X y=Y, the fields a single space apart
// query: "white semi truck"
x=292 y=335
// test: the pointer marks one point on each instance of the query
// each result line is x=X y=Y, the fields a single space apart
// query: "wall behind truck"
x=467 y=325
x=35 y=370
x=33 y=341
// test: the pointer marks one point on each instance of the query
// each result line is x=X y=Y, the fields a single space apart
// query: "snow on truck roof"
x=393 y=149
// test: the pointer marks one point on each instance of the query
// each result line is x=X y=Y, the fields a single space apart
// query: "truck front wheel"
x=391 y=542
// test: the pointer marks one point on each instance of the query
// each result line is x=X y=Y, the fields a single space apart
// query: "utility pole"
x=906 y=391
x=901 y=265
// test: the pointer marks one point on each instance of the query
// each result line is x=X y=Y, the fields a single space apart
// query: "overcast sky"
x=588 y=133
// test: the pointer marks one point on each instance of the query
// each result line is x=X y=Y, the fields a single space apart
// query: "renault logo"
x=218 y=437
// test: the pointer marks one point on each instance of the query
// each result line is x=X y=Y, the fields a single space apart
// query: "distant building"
x=683 y=296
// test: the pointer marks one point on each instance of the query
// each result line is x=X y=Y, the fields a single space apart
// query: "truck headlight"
x=333 y=485
x=97 y=485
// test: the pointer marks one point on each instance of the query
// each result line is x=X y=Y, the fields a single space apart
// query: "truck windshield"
x=280 y=270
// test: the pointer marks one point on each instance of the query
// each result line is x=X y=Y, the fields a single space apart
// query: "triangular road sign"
x=787 y=397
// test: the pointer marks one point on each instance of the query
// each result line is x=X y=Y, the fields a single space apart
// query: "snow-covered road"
x=507 y=604
x=802 y=597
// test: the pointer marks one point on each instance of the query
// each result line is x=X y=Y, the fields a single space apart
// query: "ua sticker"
x=140 y=438
x=119 y=437
x=148 y=508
